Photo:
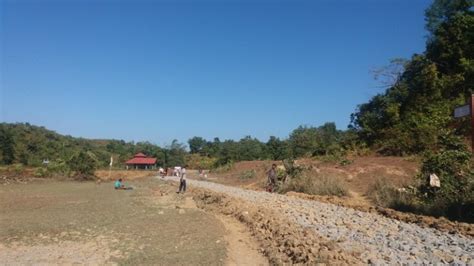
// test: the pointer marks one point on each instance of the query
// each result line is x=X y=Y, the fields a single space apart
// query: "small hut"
x=141 y=161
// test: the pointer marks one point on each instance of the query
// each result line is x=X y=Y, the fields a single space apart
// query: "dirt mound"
x=282 y=242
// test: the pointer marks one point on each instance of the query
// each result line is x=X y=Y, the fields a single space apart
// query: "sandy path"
x=241 y=248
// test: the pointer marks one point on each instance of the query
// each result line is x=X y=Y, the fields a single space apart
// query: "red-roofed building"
x=141 y=161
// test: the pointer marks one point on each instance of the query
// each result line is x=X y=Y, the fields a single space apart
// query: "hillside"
x=30 y=145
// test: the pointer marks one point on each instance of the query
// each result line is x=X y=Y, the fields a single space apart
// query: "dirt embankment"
x=282 y=242
x=368 y=236
x=360 y=174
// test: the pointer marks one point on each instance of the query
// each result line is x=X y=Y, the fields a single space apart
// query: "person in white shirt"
x=182 y=180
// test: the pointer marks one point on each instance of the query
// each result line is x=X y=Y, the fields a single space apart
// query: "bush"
x=383 y=194
x=196 y=161
x=248 y=174
x=452 y=164
x=292 y=170
x=83 y=164
x=324 y=185
x=18 y=168
x=217 y=168
x=41 y=172
x=58 y=168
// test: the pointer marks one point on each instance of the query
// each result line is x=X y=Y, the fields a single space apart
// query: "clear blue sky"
x=159 y=70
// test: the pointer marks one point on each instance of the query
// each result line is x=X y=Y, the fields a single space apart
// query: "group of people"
x=181 y=172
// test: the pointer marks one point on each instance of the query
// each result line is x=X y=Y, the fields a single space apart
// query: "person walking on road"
x=182 y=180
x=272 y=176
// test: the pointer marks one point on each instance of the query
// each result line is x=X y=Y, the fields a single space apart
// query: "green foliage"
x=196 y=161
x=297 y=178
x=452 y=164
x=277 y=149
x=292 y=170
x=222 y=168
x=82 y=163
x=7 y=152
x=312 y=141
x=30 y=145
x=175 y=154
x=442 y=10
x=408 y=116
x=18 y=168
x=197 y=145
x=248 y=174
x=41 y=172
x=384 y=194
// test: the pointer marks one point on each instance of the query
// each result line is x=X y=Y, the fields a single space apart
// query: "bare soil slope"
x=360 y=174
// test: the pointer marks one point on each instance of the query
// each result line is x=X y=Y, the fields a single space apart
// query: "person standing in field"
x=182 y=180
x=272 y=176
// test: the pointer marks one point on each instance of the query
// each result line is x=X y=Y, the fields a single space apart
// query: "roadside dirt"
x=282 y=241
x=359 y=175
x=242 y=249
x=51 y=222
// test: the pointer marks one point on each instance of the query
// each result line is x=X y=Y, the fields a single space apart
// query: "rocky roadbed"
x=371 y=237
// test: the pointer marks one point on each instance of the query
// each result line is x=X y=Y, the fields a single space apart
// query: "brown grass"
x=124 y=174
x=320 y=185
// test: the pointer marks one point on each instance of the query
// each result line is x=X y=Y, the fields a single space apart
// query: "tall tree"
x=197 y=145
x=6 y=146
x=442 y=10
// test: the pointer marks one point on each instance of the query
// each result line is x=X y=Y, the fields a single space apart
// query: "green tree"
x=83 y=163
x=408 y=116
x=277 y=149
x=175 y=155
x=452 y=164
x=7 y=145
x=197 y=145
x=442 y=10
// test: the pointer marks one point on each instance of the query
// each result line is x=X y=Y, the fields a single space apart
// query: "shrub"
x=58 y=168
x=248 y=174
x=323 y=185
x=41 y=172
x=217 y=168
x=196 y=161
x=83 y=164
x=292 y=170
x=383 y=194
x=18 y=168
x=452 y=164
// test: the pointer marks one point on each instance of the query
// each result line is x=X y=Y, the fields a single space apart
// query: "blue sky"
x=159 y=70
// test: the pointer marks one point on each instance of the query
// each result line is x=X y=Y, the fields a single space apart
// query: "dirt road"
x=52 y=222
x=371 y=237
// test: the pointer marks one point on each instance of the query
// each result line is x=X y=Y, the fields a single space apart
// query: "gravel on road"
x=376 y=238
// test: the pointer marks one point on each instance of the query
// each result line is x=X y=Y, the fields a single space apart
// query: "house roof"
x=140 y=155
x=139 y=160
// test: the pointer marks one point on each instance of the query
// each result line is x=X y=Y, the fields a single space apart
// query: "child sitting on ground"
x=118 y=185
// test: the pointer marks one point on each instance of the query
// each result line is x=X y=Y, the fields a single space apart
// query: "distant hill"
x=30 y=145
